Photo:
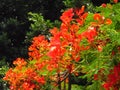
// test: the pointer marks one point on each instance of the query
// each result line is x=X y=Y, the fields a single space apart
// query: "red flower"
x=39 y=45
x=54 y=31
x=80 y=15
x=39 y=79
x=115 y=1
x=39 y=65
x=55 y=47
x=20 y=62
x=28 y=86
x=113 y=81
x=78 y=12
x=104 y=5
x=97 y=17
x=106 y=86
x=108 y=21
x=67 y=16
x=77 y=58
x=90 y=34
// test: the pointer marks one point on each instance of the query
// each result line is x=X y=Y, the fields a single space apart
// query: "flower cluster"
x=23 y=78
x=113 y=80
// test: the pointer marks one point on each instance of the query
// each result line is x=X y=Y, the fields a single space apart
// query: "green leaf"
x=77 y=87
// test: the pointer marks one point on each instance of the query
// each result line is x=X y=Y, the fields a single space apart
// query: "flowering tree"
x=87 y=43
